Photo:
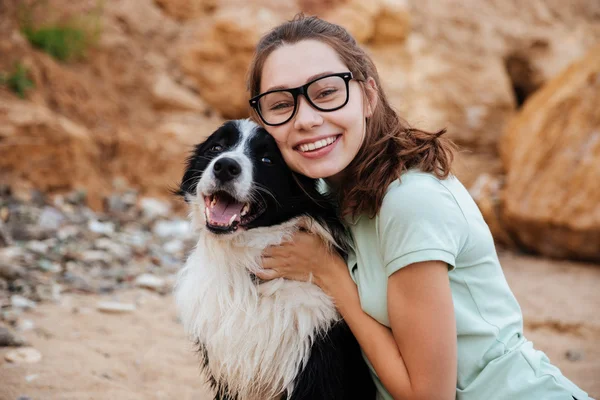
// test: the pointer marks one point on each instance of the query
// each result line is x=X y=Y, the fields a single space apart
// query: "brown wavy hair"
x=390 y=146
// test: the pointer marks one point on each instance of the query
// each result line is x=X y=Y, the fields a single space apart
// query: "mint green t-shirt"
x=423 y=218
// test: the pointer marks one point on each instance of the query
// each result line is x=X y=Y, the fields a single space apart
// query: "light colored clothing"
x=423 y=218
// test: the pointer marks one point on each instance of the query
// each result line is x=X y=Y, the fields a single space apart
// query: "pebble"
x=173 y=228
x=27 y=355
x=115 y=307
x=154 y=208
x=21 y=302
x=150 y=281
x=10 y=339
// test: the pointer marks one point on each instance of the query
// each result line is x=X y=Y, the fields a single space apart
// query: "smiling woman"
x=423 y=290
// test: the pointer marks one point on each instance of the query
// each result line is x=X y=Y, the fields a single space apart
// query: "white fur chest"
x=256 y=336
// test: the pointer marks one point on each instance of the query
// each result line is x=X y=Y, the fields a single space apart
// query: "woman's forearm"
x=376 y=340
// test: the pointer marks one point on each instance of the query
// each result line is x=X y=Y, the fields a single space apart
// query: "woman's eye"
x=281 y=106
x=216 y=147
x=267 y=160
x=326 y=93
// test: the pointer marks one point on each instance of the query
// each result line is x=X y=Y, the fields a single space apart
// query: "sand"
x=144 y=354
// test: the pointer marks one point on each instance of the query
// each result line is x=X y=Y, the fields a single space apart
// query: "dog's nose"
x=226 y=169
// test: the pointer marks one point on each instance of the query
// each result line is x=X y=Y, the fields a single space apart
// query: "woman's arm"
x=417 y=358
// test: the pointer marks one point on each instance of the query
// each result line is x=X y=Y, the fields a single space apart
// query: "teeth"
x=207 y=213
x=233 y=217
x=214 y=201
x=245 y=209
x=316 y=145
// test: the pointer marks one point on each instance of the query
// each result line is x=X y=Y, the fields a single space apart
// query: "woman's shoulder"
x=419 y=185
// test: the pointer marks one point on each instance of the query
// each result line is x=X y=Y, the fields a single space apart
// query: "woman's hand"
x=303 y=258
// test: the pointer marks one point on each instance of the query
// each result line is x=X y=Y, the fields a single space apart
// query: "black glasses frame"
x=302 y=90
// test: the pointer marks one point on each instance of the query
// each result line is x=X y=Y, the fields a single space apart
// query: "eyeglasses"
x=327 y=93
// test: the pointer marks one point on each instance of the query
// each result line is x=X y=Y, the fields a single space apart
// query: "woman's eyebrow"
x=310 y=78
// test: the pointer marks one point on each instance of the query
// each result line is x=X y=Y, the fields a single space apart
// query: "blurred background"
x=101 y=101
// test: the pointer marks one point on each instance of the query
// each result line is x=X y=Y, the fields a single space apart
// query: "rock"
x=10 y=339
x=435 y=87
x=172 y=228
x=154 y=208
x=10 y=271
x=38 y=247
x=102 y=228
x=486 y=193
x=217 y=53
x=169 y=95
x=186 y=9
x=150 y=281
x=21 y=302
x=25 y=325
x=174 y=246
x=392 y=23
x=68 y=158
x=115 y=249
x=27 y=355
x=551 y=152
x=114 y=307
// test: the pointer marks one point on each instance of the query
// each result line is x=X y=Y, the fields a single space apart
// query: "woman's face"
x=315 y=143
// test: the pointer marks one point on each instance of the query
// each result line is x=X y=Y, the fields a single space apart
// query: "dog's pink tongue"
x=224 y=209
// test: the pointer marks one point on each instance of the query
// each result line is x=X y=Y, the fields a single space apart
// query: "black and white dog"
x=259 y=340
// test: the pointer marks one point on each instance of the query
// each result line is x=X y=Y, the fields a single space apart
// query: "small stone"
x=11 y=272
x=29 y=378
x=573 y=355
x=21 y=302
x=50 y=218
x=24 y=325
x=113 y=248
x=174 y=228
x=23 y=355
x=25 y=397
x=92 y=256
x=10 y=339
x=103 y=228
x=68 y=232
x=37 y=246
x=154 y=208
x=174 y=246
x=150 y=281
x=115 y=307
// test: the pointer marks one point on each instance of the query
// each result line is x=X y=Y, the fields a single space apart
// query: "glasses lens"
x=276 y=107
x=328 y=93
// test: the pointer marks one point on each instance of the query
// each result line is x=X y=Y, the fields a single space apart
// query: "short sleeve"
x=420 y=220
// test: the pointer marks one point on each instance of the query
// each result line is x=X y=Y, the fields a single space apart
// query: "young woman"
x=423 y=291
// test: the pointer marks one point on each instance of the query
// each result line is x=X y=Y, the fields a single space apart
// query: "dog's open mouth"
x=225 y=214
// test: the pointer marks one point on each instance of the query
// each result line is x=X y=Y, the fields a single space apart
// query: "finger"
x=267 y=274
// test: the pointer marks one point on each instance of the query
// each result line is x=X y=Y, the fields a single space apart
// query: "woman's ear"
x=371 y=91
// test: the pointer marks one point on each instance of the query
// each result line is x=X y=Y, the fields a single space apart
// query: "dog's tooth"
x=207 y=212
x=245 y=209
x=214 y=201
x=233 y=217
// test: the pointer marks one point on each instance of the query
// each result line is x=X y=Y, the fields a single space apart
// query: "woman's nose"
x=306 y=116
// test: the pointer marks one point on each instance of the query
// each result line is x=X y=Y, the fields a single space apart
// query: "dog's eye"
x=266 y=160
x=216 y=147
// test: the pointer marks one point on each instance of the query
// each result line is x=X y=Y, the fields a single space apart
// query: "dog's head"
x=238 y=174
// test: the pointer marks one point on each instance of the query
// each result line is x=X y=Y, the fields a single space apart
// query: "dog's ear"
x=195 y=165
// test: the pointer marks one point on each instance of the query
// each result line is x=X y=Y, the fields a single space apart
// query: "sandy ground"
x=144 y=355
